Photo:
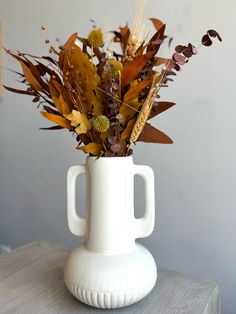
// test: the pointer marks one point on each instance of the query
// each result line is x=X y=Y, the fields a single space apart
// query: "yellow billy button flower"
x=116 y=67
x=101 y=123
x=96 y=38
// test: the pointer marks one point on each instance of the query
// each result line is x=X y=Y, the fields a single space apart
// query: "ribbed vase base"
x=106 y=300
x=110 y=281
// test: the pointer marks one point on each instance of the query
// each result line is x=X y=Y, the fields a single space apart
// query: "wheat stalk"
x=137 y=31
x=146 y=108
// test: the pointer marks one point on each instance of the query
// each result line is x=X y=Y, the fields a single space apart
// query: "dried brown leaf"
x=152 y=135
x=159 y=61
x=156 y=41
x=159 y=107
x=146 y=108
x=140 y=50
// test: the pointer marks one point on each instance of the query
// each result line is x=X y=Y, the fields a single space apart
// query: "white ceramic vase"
x=110 y=269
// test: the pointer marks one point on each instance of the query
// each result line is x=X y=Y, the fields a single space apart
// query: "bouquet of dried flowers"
x=105 y=97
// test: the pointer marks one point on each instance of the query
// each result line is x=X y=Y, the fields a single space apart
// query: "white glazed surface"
x=110 y=270
x=112 y=280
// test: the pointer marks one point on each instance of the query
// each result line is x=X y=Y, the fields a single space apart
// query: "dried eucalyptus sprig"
x=104 y=97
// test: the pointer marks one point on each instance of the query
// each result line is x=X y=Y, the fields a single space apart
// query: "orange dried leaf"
x=128 y=110
x=55 y=95
x=127 y=131
x=65 y=107
x=70 y=42
x=57 y=120
x=134 y=91
x=157 y=23
x=132 y=70
x=140 y=50
x=81 y=69
x=30 y=77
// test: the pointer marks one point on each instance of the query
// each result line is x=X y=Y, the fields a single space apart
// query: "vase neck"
x=110 y=205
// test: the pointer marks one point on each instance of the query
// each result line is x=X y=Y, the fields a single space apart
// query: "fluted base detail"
x=110 y=281
x=106 y=300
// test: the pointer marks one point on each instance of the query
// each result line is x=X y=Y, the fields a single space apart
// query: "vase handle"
x=145 y=225
x=77 y=224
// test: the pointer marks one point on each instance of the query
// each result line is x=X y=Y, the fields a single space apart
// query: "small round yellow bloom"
x=116 y=67
x=96 y=38
x=101 y=123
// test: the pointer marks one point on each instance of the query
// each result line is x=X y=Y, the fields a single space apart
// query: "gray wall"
x=195 y=178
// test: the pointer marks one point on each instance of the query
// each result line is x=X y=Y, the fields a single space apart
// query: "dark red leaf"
x=192 y=48
x=36 y=99
x=117 y=37
x=213 y=33
x=55 y=127
x=187 y=52
x=44 y=68
x=177 y=67
x=179 y=48
x=50 y=59
x=179 y=58
x=50 y=110
x=18 y=91
x=206 y=40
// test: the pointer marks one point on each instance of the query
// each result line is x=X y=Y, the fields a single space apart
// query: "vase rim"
x=110 y=158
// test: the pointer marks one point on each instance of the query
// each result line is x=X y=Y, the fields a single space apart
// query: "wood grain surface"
x=31 y=281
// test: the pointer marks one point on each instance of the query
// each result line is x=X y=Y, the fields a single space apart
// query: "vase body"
x=110 y=269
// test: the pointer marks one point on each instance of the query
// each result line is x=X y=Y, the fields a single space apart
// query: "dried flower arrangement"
x=103 y=96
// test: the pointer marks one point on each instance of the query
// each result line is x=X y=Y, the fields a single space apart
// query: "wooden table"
x=31 y=281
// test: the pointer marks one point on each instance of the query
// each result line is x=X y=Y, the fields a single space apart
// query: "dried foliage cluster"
x=103 y=96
